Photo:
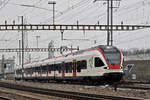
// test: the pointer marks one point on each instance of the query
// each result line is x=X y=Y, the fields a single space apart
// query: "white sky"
x=68 y=12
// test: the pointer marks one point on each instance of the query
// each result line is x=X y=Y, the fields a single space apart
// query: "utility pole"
x=19 y=52
x=54 y=12
x=62 y=34
x=37 y=38
x=109 y=20
x=53 y=3
x=2 y=66
x=22 y=49
x=108 y=34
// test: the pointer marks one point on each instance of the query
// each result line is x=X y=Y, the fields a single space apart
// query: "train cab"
x=114 y=60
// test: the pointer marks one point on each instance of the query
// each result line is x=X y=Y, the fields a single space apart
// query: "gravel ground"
x=106 y=90
x=13 y=95
x=21 y=95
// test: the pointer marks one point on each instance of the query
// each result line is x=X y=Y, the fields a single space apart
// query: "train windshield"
x=112 y=56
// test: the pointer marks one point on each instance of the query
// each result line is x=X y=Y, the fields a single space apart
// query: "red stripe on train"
x=114 y=66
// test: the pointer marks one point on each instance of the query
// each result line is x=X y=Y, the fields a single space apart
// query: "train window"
x=49 y=68
x=78 y=66
x=31 y=70
x=38 y=69
x=25 y=71
x=56 y=68
x=44 y=69
x=84 y=64
x=81 y=65
x=28 y=71
x=59 y=68
x=53 y=67
x=63 y=66
x=68 y=67
x=20 y=71
x=98 y=62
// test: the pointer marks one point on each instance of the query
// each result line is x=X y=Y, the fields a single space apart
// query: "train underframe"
x=106 y=78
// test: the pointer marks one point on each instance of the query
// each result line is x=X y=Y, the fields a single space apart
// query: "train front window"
x=98 y=62
x=112 y=55
x=112 y=58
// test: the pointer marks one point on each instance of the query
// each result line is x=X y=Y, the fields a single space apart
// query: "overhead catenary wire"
x=83 y=18
x=76 y=11
x=5 y=3
x=79 y=4
x=135 y=39
x=24 y=10
x=17 y=14
x=91 y=8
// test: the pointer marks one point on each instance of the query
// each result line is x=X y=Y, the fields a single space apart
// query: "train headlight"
x=106 y=67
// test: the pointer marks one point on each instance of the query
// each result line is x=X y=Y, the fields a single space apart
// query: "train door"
x=74 y=67
x=63 y=69
x=54 y=69
x=41 y=71
x=47 y=70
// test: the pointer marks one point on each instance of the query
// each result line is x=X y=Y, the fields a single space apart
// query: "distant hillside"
x=135 y=51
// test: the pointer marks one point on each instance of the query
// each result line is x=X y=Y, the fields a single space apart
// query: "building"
x=6 y=67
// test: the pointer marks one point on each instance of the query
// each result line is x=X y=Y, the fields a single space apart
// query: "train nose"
x=113 y=66
x=106 y=67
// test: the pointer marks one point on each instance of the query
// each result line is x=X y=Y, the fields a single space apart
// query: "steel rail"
x=134 y=87
x=5 y=98
x=64 y=94
x=136 y=82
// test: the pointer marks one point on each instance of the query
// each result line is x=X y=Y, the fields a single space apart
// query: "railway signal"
x=128 y=68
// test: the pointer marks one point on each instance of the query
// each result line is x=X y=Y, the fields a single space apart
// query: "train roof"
x=102 y=47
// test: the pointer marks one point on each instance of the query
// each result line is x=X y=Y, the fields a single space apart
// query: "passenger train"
x=97 y=64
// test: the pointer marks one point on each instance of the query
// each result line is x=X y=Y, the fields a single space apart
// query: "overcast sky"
x=135 y=12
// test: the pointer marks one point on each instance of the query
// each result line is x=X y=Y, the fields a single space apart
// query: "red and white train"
x=101 y=63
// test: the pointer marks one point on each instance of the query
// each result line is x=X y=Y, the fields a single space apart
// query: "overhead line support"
x=109 y=19
x=22 y=49
x=31 y=27
x=38 y=49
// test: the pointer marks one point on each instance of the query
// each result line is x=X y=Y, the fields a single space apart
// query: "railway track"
x=64 y=94
x=137 y=82
x=5 y=98
x=135 y=85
